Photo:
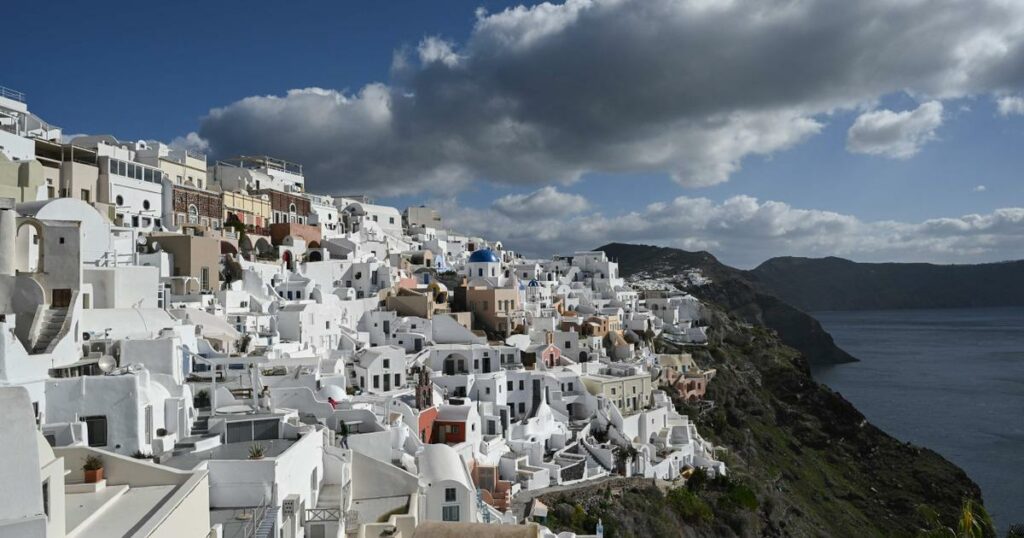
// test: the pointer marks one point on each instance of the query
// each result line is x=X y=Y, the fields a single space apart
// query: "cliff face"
x=731 y=289
x=802 y=460
x=836 y=284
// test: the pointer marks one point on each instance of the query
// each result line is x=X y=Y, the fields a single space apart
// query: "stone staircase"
x=592 y=460
x=49 y=328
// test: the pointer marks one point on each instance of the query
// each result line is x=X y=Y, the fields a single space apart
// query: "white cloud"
x=543 y=202
x=744 y=231
x=1010 y=105
x=544 y=94
x=897 y=135
x=192 y=141
x=434 y=49
x=980 y=188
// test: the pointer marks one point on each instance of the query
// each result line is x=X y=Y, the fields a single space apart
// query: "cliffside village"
x=192 y=348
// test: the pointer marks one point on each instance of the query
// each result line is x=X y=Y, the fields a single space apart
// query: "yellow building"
x=629 y=393
x=254 y=211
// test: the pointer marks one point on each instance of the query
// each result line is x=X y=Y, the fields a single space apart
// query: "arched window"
x=193 y=214
x=291 y=213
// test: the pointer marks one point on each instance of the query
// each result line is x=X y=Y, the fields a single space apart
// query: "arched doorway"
x=30 y=241
x=454 y=364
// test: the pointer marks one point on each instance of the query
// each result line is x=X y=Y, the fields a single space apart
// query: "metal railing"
x=12 y=94
x=323 y=514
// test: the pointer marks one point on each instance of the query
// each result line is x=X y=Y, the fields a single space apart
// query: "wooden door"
x=61 y=298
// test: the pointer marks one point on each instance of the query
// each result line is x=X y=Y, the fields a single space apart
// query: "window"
x=387 y=363
x=391 y=220
x=119 y=200
x=450 y=513
x=46 y=498
x=522 y=385
x=204 y=278
x=96 y=427
x=147 y=175
x=487 y=390
x=398 y=380
x=85 y=195
x=193 y=214
x=509 y=385
x=450 y=495
x=145 y=204
x=376 y=381
x=522 y=407
x=122 y=168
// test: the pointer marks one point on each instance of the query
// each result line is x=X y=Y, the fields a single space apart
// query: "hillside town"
x=201 y=348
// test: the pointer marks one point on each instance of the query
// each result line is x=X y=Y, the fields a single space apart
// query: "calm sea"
x=951 y=380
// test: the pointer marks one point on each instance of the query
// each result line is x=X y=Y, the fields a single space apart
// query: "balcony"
x=14 y=95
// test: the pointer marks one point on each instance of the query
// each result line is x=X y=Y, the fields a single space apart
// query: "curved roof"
x=441 y=462
x=484 y=255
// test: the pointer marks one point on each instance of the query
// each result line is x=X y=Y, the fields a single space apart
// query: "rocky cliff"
x=803 y=461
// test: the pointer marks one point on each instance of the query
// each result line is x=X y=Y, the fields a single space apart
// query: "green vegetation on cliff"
x=802 y=460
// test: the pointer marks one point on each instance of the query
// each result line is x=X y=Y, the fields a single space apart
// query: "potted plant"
x=256 y=451
x=93 y=468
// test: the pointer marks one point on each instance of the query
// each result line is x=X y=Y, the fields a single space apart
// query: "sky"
x=878 y=130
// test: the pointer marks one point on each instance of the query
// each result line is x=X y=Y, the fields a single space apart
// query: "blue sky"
x=151 y=71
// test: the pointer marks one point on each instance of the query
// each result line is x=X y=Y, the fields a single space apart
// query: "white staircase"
x=49 y=328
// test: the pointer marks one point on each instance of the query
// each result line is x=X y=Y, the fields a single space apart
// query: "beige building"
x=69 y=171
x=182 y=167
x=421 y=302
x=492 y=308
x=21 y=180
x=629 y=393
x=195 y=263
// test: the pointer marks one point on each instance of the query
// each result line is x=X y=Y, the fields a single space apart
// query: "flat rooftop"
x=230 y=451
x=113 y=510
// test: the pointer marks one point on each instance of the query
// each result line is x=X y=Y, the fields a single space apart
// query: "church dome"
x=484 y=255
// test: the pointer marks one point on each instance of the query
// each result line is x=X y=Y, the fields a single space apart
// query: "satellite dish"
x=106 y=363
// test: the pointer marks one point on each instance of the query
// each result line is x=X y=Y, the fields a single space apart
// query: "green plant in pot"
x=256 y=451
x=93 y=468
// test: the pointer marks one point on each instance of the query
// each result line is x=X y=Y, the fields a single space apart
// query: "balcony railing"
x=12 y=94
x=323 y=514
